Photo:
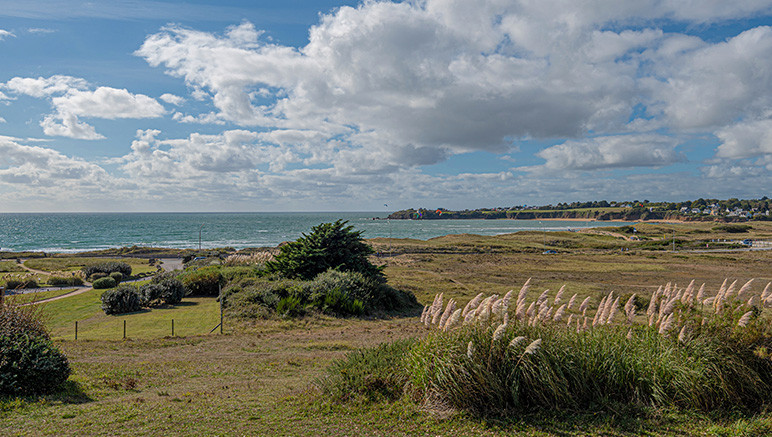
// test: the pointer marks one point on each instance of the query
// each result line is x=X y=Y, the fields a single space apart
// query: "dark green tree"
x=328 y=246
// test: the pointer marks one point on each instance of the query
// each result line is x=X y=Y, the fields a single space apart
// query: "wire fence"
x=159 y=328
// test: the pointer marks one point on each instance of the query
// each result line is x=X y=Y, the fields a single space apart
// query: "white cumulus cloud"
x=172 y=99
x=612 y=152
x=72 y=98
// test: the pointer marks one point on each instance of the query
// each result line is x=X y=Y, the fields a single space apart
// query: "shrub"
x=17 y=284
x=69 y=281
x=347 y=287
x=97 y=275
x=150 y=295
x=122 y=299
x=102 y=283
x=29 y=363
x=332 y=292
x=108 y=267
x=203 y=282
x=117 y=277
x=169 y=291
x=172 y=291
x=328 y=246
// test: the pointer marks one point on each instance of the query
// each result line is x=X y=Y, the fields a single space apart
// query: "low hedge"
x=60 y=281
x=102 y=283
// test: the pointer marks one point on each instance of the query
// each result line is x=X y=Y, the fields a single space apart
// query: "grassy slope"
x=257 y=379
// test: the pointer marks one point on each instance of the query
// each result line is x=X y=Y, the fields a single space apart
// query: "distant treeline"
x=730 y=210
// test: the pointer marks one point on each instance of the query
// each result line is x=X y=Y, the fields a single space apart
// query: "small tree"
x=328 y=246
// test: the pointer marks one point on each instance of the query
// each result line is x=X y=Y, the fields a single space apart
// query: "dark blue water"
x=69 y=232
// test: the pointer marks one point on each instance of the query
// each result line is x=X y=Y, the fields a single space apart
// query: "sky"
x=322 y=105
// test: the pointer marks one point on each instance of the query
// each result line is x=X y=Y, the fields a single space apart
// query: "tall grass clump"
x=29 y=362
x=369 y=373
x=500 y=355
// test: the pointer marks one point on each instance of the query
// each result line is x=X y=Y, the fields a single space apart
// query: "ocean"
x=74 y=232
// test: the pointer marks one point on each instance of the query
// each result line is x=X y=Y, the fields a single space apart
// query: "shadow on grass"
x=70 y=392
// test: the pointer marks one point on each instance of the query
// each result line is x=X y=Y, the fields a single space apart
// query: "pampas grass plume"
x=453 y=320
x=472 y=304
x=499 y=332
x=533 y=347
x=571 y=302
x=584 y=304
x=515 y=341
x=744 y=288
x=745 y=319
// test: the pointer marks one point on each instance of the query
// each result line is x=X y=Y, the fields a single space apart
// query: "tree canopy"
x=328 y=246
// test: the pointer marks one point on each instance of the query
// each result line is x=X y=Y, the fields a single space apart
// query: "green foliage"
x=338 y=302
x=122 y=299
x=68 y=281
x=328 y=246
x=332 y=292
x=205 y=281
x=117 y=277
x=102 y=283
x=290 y=306
x=373 y=373
x=150 y=295
x=167 y=290
x=29 y=363
x=108 y=267
x=18 y=284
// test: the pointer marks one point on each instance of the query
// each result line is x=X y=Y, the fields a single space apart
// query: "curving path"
x=77 y=291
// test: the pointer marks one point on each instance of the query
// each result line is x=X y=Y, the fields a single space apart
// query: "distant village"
x=700 y=209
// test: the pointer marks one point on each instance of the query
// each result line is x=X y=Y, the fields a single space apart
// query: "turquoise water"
x=68 y=232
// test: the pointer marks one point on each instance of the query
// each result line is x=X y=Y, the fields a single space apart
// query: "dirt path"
x=36 y=271
x=75 y=292
x=607 y=233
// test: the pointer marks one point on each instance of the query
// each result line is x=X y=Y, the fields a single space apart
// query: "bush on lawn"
x=117 y=277
x=119 y=300
x=102 y=283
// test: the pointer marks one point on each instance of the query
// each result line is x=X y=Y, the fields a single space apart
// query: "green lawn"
x=193 y=316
